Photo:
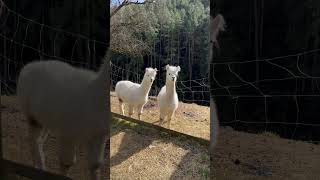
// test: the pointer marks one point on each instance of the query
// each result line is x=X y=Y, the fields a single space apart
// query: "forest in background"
x=176 y=31
x=160 y=32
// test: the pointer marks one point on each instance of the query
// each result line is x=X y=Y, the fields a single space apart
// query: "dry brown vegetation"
x=189 y=118
x=138 y=152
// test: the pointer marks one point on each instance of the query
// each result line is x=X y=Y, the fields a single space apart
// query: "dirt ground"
x=189 y=118
x=16 y=147
x=142 y=153
x=136 y=152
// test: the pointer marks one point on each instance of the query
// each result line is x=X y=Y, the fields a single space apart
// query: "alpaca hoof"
x=64 y=169
x=160 y=122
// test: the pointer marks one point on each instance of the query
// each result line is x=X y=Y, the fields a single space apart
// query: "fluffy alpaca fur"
x=69 y=101
x=217 y=24
x=168 y=97
x=135 y=95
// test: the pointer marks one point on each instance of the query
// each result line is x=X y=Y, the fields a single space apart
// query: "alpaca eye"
x=169 y=74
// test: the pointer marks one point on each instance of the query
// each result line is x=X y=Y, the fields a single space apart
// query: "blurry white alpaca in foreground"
x=70 y=101
x=135 y=95
x=168 y=97
x=217 y=24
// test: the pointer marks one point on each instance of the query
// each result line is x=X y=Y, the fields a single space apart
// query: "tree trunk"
x=256 y=44
x=178 y=48
x=5 y=71
x=189 y=57
x=261 y=27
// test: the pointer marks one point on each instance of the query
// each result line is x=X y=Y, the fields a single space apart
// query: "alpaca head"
x=150 y=74
x=172 y=73
x=217 y=24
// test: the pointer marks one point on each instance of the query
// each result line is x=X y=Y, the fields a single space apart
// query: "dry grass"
x=141 y=153
x=190 y=119
x=249 y=156
x=136 y=152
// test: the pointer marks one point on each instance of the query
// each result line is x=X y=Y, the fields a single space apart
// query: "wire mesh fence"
x=282 y=100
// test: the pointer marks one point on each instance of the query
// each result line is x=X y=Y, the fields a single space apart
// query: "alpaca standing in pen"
x=71 y=102
x=135 y=95
x=217 y=24
x=168 y=97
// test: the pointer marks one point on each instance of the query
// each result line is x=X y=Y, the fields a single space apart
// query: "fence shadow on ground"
x=195 y=162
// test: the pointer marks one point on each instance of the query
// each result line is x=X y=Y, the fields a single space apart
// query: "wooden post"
x=1 y=117
x=2 y=169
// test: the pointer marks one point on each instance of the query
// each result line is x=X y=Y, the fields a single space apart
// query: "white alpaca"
x=168 y=97
x=135 y=95
x=71 y=102
x=217 y=24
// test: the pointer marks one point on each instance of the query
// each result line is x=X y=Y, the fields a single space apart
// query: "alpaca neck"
x=145 y=86
x=102 y=80
x=103 y=74
x=171 y=87
x=103 y=77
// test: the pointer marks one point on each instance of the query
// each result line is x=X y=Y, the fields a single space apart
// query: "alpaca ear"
x=167 y=66
x=218 y=23
x=156 y=69
x=178 y=68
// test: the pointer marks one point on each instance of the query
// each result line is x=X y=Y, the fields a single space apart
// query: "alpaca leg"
x=43 y=137
x=130 y=110
x=44 y=134
x=67 y=155
x=34 y=136
x=36 y=143
x=162 y=116
x=170 y=115
x=140 y=110
x=96 y=149
x=121 y=108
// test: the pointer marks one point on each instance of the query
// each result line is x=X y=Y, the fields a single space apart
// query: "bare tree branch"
x=126 y=3
x=129 y=27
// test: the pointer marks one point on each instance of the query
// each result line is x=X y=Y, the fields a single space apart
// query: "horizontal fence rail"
x=169 y=131
x=11 y=167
